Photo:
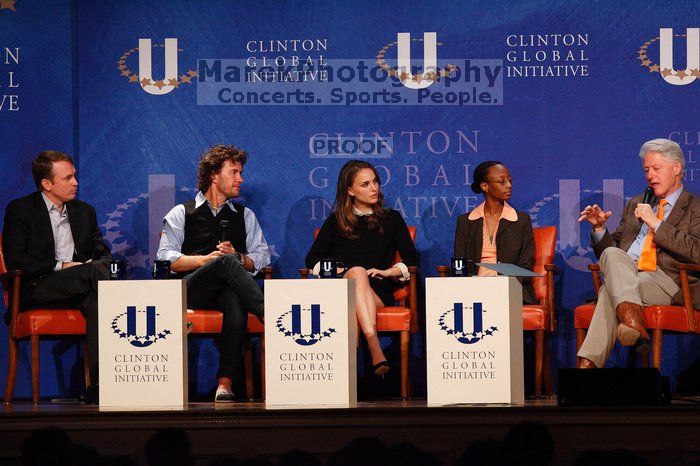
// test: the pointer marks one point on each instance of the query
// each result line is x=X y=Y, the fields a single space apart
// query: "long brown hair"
x=347 y=220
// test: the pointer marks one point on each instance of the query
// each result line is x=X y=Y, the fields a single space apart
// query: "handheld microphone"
x=648 y=197
x=224 y=225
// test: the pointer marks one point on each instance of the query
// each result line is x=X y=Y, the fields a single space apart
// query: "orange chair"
x=33 y=324
x=402 y=318
x=209 y=322
x=658 y=318
x=539 y=318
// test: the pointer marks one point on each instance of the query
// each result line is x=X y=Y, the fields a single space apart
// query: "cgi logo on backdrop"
x=144 y=78
x=8 y=5
x=132 y=318
x=665 y=53
x=551 y=55
x=404 y=71
x=291 y=322
x=455 y=326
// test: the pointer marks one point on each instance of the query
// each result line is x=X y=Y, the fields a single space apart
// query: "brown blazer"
x=515 y=244
x=677 y=239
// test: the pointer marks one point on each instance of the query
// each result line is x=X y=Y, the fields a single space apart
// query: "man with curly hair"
x=216 y=246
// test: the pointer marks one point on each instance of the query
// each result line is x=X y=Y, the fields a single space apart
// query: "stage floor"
x=663 y=434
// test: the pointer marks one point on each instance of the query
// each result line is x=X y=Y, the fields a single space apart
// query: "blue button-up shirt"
x=62 y=234
x=174 y=233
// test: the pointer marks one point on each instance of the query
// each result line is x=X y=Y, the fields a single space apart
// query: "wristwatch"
x=240 y=257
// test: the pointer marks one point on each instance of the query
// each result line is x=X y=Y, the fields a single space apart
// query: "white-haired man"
x=639 y=259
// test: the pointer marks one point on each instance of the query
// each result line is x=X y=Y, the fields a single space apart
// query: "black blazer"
x=515 y=244
x=27 y=239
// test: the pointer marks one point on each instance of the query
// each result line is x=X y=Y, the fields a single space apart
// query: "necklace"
x=490 y=225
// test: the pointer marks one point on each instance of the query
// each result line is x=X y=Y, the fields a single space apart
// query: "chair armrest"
x=12 y=281
x=691 y=267
x=550 y=270
x=267 y=273
x=413 y=297
x=595 y=275
x=442 y=270
x=304 y=273
x=687 y=296
x=10 y=274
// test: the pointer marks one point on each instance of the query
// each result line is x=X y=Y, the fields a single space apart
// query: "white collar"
x=359 y=213
x=50 y=205
x=200 y=199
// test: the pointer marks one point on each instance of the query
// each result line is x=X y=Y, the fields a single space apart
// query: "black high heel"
x=381 y=368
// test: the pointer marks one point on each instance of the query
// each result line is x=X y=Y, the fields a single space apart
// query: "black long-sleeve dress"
x=371 y=249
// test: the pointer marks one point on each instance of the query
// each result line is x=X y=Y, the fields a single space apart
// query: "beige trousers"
x=623 y=282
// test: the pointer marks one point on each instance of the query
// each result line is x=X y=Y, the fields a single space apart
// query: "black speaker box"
x=613 y=387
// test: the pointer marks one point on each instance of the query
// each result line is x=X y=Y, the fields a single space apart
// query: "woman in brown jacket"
x=494 y=231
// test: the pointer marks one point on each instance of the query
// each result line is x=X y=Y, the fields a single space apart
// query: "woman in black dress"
x=364 y=236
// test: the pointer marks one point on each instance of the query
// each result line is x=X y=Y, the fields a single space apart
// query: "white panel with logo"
x=474 y=331
x=143 y=344
x=310 y=343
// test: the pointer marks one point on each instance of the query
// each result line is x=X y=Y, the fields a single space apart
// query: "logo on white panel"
x=303 y=324
x=170 y=79
x=452 y=322
x=141 y=330
x=665 y=67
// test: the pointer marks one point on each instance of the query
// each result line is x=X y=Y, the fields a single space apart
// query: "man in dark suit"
x=54 y=239
x=639 y=259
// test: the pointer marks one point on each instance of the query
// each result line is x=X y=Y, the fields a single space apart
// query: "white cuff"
x=316 y=269
x=404 y=271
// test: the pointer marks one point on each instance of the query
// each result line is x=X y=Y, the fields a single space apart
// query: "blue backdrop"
x=565 y=99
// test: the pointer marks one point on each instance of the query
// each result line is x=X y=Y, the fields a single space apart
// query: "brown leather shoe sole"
x=629 y=336
x=585 y=363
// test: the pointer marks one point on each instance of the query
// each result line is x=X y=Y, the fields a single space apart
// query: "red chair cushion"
x=50 y=322
x=674 y=318
x=393 y=319
x=535 y=317
x=583 y=315
x=210 y=321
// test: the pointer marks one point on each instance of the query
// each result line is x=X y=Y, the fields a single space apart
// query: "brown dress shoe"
x=584 y=363
x=631 y=331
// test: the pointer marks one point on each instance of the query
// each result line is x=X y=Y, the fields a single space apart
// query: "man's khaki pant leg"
x=623 y=282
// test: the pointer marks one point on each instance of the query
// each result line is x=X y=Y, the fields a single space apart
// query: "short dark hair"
x=42 y=166
x=213 y=160
x=481 y=172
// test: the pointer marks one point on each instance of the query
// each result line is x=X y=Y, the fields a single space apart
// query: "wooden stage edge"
x=663 y=434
